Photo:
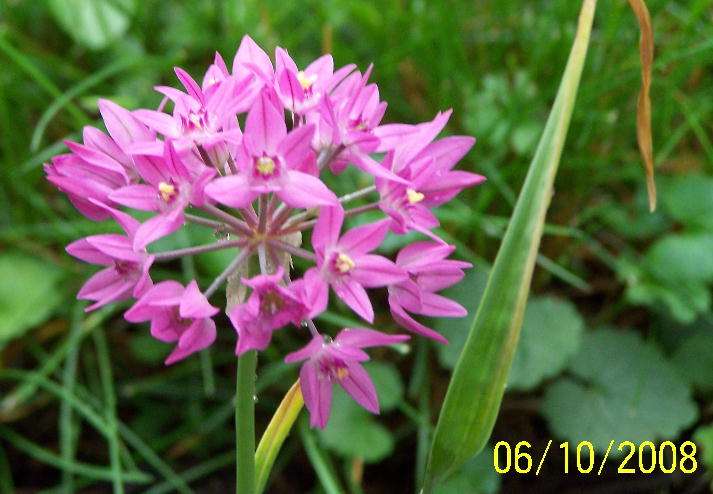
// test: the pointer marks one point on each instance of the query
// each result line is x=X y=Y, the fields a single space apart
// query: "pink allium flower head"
x=251 y=153
x=339 y=362
x=177 y=314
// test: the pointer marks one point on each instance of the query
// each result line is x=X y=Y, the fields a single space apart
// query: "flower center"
x=343 y=263
x=265 y=166
x=167 y=191
x=306 y=81
x=342 y=373
x=414 y=197
x=271 y=303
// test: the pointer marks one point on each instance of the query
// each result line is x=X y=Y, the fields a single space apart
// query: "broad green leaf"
x=675 y=271
x=93 y=23
x=551 y=334
x=688 y=199
x=694 y=360
x=476 y=476
x=625 y=389
x=704 y=439
x=476 y=389
x=29 y=293
x=353 y=433
x=275 y=434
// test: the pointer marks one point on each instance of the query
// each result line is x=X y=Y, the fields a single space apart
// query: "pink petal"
x=368 y=165
x=365 y=238
x=283 y=61
x=143 y=197
x=446 y=152
x=85 y=251
x=373 y=271
x=105 y=287
x=404 y=320
x=158 y=121
x=232 y=191
x=264 y=127
x=122 y=125
x=317 y=393
x=191 y=85
x=353 y=294
x=250 y=54
x=296 y=146
x=301 y=190
x=365 y=338
x=326 y=230
x=194 y=305
x=200 y=335
x=422 y=254
x=360 y=387
x=161 y=225
x=115 y=246
x=314 y=293
x=447 y=186
x=291 y=91
x=436 y=305
x=307 y=351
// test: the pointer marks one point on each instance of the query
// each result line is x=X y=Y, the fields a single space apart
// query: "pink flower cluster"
x=245 y=153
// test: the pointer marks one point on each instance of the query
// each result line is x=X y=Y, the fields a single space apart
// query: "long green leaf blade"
x=275 y=434
x=478 y=383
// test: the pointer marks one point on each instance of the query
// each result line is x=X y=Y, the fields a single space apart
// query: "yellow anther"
x=414 y=196
x=342 y=373
x=265 y=166
x=306 y=81
x=167 y=191
x=195 y=120
x=344 y=263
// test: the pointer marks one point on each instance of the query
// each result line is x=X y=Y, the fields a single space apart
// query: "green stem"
x=245 y=423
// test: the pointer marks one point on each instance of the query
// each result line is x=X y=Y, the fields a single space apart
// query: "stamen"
x=167 y=191
x=414 y=197
x=265 y=166
x=306 y=81
x=343 y=263
x=342 y=373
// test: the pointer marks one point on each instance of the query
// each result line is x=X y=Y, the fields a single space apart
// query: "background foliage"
x=618 y=337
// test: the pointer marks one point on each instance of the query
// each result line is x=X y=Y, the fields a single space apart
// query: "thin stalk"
x=357 y=194
x=199 y=220
x=326 y=156
x=349 y=212
x=262 y=214
x=292 y=249
x=240 y=226
x=232 y=267
x=198 y=249
x=245 y=423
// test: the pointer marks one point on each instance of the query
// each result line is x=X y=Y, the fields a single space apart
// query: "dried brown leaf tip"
x=643 y=107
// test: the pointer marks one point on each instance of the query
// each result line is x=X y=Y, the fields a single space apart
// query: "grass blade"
x=320 y=462
x=478 y=383
x=46 y=456
x=107 y=381
x=275 y=434
x=67 y=434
